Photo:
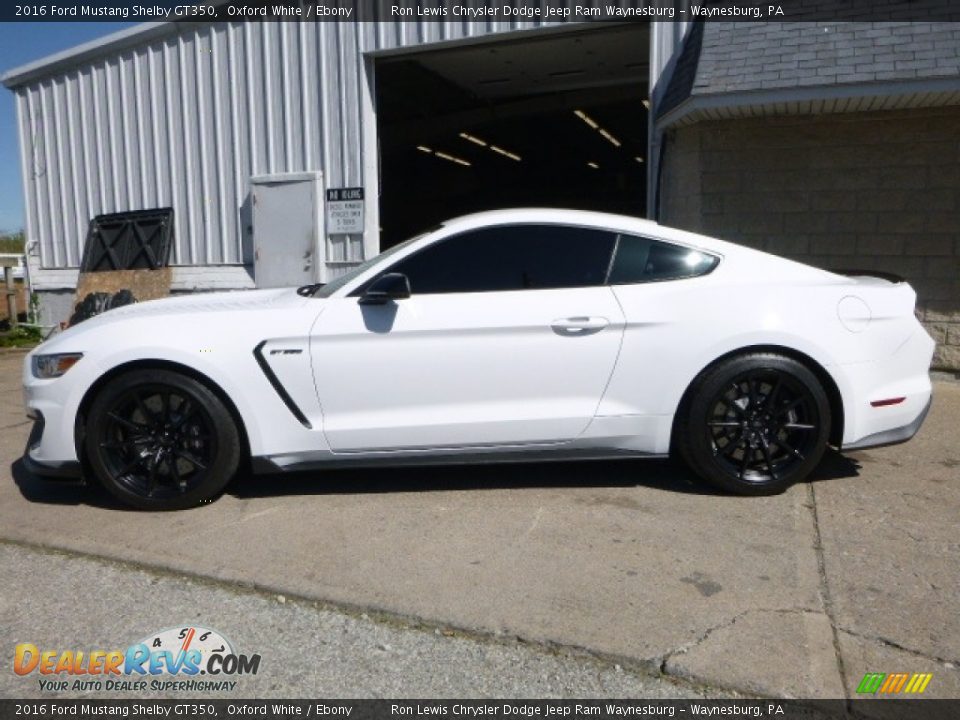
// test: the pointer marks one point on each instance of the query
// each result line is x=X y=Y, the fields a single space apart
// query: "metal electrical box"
x=287 y=229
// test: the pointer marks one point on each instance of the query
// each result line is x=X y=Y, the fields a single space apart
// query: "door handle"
x=579 y=325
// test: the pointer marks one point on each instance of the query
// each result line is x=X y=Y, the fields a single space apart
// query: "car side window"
x=510 y=257
x=641 y=259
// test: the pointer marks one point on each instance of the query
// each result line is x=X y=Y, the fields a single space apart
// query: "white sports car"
x=503 y=336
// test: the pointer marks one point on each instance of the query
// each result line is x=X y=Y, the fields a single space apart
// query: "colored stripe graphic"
x=889 y=682
x=871 y=683
x=918 y=683
x=893 y=683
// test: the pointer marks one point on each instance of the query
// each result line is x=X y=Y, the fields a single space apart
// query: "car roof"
x=774 y=266
x=611 y=221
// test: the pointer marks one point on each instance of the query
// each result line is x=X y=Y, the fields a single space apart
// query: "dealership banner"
x=473 y=709
x=548 y=11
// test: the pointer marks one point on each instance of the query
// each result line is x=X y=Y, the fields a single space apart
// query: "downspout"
x=666 y=44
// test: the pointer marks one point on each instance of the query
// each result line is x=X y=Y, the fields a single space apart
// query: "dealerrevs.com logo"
x=192 y=659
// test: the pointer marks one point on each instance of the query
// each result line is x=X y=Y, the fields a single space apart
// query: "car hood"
x=196 y=306
x=206 y=302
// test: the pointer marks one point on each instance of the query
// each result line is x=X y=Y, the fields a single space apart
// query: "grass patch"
x=20 y=336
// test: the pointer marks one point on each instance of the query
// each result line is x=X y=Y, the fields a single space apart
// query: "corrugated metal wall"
x=187 y=117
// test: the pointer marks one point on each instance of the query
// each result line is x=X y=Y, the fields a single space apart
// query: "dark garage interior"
x=552 y=120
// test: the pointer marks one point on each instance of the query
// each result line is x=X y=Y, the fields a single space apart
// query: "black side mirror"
x=392 y=286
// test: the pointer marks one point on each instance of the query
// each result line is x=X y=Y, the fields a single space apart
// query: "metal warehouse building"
x=290 y=151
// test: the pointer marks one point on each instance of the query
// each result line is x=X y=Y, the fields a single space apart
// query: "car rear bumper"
x=893 y=436
x=886 y=401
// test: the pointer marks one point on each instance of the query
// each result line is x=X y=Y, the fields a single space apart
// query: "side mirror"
x=392 y=286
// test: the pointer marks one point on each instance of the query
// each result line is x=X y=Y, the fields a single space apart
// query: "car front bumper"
x=52 y=405
x=58 y=469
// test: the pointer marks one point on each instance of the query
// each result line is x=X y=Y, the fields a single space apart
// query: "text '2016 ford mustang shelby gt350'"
x=508 y=335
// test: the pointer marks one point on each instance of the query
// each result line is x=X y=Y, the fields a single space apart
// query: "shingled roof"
x=729 y=65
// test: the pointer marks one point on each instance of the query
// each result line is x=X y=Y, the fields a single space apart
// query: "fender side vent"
x=281 y=391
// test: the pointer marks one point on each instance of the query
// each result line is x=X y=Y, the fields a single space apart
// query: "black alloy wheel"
x=763 y=424
x=160 y=440
x=756 y=424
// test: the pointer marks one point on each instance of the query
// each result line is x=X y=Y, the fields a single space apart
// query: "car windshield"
x=325 y=291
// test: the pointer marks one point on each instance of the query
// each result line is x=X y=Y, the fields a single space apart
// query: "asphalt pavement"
x=306 y=650
x=601 y=564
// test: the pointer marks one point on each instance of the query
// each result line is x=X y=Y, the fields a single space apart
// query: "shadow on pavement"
x=659 y=474
x=835 y=466
x=60 y=492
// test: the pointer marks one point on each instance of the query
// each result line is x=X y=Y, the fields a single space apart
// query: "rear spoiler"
x=889 y=277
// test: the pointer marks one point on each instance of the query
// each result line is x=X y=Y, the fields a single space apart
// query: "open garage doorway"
x=552 y=119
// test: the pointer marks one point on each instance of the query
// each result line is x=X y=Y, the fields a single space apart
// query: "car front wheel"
x=754 y=424
x=160 y=440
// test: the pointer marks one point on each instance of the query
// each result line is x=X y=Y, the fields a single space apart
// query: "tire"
x=754 y=424
x=160 y=440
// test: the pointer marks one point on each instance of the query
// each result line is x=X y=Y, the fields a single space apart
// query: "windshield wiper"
x=309 y=290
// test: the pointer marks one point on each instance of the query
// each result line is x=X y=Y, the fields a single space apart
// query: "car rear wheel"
x=754 y=424
x=160 y=440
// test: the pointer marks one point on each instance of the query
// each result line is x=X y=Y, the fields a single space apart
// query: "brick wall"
x=22 y=298
x=878 y=191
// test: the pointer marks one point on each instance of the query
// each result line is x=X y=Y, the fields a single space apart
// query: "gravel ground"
x=63 y=601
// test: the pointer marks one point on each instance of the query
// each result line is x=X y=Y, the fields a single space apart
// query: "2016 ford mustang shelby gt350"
x=508 y=335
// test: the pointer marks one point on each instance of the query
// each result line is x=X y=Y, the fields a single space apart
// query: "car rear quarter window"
x=511 y=257
x=641 y=259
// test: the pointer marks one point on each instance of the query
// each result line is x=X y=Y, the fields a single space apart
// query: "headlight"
x=53 y=366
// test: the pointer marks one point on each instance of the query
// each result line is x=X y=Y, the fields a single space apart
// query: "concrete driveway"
x=634 y=562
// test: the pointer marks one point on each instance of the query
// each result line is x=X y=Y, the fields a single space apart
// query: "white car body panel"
x=437 y=375
x=432 y=371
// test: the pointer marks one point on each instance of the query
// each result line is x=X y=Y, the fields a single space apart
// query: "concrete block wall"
x=877 y=191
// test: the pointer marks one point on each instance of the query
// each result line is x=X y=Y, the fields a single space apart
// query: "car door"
x=672 y=317
x=508 y=338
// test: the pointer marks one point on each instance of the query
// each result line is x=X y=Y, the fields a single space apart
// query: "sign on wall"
x=344 y=211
